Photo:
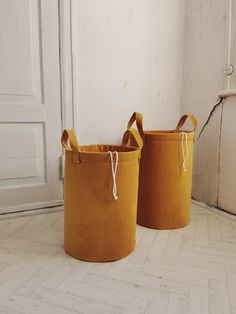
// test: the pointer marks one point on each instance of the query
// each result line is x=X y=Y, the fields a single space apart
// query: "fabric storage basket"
x=165 y=178
x=100 y=194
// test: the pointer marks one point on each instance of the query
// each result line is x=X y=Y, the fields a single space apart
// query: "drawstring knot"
x=184 y=140
x=113 y=171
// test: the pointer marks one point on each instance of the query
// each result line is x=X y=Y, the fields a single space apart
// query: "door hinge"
x=62 y=166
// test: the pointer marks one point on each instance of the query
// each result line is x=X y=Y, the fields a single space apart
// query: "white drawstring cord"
x=184 y=137
x=113 y=171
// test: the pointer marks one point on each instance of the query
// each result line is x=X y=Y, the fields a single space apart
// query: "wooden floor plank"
x=189 y=270
x=105 y=293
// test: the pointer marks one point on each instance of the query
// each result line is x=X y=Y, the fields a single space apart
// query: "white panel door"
x=30 y=111
x=227 y=167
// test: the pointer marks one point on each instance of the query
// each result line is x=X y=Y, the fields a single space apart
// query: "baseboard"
x=30 y=207
x=215 y=209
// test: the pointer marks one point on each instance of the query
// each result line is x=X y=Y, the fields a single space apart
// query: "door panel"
x=30 y=111
x=21 y=52
x=227 y=168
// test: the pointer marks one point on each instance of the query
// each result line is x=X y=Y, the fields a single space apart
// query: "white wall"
x=127 y=57
x=159 y=57
x=205 y=56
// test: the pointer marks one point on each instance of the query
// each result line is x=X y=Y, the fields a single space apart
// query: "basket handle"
x=73 y=143
x=138 y=118
x=183 y=120
x=135 y=135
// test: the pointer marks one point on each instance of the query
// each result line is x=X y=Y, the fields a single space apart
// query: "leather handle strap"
x=183 y=120
x=69 y=134
x=135 y=135
x=138 y=118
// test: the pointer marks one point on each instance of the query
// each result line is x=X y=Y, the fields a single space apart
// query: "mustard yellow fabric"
x=164 y=188
x=97 y=227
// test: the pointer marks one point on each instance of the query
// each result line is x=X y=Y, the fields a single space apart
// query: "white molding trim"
x=31 y=206
x=231 y=51
x=33 y=212
x=215 y=210
x=227 y=92
x=66 y=60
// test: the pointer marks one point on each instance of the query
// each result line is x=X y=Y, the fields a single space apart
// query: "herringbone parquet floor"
x=190 y=270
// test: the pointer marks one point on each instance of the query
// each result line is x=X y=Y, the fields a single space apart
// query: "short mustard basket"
x=165 y=179
x=100 y=199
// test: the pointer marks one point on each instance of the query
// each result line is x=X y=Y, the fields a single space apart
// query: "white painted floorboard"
x=191 y=270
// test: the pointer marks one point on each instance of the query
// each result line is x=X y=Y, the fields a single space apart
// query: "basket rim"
x=167 y=132
x=112 y=148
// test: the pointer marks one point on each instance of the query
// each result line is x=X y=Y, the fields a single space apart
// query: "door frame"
x=67 y=60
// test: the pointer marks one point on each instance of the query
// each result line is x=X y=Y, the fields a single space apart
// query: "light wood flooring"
x=189 y=270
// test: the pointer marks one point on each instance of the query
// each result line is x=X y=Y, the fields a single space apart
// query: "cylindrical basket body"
x=98 y=227
x=165 y=179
